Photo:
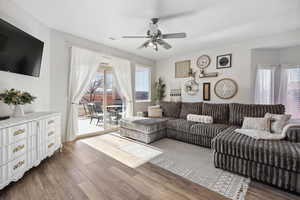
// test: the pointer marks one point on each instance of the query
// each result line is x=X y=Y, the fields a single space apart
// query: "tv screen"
x=19 y=52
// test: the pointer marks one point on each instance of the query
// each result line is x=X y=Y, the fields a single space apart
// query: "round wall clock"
x=203 y=61
x=226 y=88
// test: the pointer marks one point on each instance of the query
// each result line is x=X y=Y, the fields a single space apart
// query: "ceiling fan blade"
x=174 y=35
x=164 y=44
x=131 y=37
x=144 y=45
x=177 y=15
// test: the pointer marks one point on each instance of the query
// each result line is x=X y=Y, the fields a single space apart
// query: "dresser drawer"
x=51 y=133
x=17 y=149
x=52 y=122
x=17 y=133
x=17 y=166
x=51 y=146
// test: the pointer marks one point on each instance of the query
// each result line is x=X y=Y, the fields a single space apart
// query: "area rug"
x=196 y=164
x=128 y=152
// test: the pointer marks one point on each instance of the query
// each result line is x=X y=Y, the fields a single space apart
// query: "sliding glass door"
x=101 y=107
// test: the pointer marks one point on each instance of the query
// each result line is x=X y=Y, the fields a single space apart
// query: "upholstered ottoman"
x=143 y=129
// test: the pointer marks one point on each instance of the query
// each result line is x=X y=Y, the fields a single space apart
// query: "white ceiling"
x=206 y=22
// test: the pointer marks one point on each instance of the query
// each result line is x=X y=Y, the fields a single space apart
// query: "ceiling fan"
x=156 y=37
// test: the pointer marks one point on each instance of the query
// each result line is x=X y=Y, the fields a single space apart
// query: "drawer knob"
x=18 y=148
x=19 y=132
x=50 y=122
x=50 y=145
x=19 y=164
x=50 y=133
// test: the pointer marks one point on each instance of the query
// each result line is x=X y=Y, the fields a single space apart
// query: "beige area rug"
x=128 y=152
x=196 y=164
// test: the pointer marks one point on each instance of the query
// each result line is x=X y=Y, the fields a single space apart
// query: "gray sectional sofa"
x=271 y=161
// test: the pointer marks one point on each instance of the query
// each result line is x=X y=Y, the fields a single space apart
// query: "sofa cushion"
x=171 y=109
x=180 y=125
x=237 y=112
x=277 y=153
x=219 y=112
x=208 y=130
x=190 y=108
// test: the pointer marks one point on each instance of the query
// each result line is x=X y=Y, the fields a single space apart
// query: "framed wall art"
x=206 y=91
x=224 y=61
x=182 y=69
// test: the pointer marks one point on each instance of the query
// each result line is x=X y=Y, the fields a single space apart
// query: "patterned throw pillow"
x=200 y=118
x=278 y=122
x=263 y=124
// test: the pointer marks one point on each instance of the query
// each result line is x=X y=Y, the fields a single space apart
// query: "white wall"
x=60 y=57
x=39 y=87
x=240 y=67
x=290 y=55
x=241 y=71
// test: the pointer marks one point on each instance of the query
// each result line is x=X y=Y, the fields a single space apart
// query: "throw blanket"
x=265 y=135
x=200 y=118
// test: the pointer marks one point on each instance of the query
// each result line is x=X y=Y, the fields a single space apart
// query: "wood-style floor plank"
x=82 y=173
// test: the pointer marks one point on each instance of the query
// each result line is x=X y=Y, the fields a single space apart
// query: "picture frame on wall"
x=206 y=91
x=224 y=61
x=182 y=69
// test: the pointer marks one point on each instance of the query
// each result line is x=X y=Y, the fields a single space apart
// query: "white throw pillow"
x=200 y=118
x=278 y=122
x=263 y=124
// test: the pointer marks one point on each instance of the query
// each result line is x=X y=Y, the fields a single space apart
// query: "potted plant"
x=159 y=92
x=16 y=98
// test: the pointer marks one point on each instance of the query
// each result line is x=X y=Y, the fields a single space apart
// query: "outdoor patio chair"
x=93 y=114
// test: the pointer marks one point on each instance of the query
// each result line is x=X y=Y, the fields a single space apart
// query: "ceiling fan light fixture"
x=151 y=44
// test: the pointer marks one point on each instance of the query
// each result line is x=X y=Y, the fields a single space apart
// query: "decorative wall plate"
x=191 y=87
x=226 y=88
x=203 y=61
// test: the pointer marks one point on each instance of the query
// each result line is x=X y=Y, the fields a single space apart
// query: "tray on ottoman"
x=143 y=129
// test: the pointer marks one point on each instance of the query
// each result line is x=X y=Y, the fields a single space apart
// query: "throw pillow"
x=277 y=122
x=263 y=124
x=200 y=118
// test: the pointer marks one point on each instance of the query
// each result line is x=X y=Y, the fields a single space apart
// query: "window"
x=142 y=83
x=293 y=92
x=264 y=86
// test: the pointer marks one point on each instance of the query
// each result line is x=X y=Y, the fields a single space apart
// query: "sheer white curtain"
x=84 y=64
x=265 y=84
x=123 y=72
x=289 y=93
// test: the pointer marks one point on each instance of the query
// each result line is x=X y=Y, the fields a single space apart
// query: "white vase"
x=18 y=111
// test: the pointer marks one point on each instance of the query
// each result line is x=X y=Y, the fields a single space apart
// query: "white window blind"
x=293 y=92
x=264 y=85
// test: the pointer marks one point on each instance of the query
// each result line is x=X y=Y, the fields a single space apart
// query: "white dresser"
x=25 y=142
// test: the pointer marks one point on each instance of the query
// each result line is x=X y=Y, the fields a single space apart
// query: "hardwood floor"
x=82 y=173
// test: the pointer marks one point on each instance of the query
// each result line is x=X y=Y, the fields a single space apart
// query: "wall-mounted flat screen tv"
x=19 y=52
